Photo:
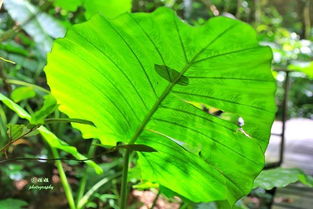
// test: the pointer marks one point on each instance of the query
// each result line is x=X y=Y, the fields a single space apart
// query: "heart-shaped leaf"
x=138 y=77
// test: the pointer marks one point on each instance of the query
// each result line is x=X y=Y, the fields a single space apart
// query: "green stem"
x=23 y=83
x=94 y=188
x=123 y=200
x=238 y=12
x=6 y=86
x=307 y=19
x=65 y=184
x=3 y=125
x=83 y=182
x=184 y=206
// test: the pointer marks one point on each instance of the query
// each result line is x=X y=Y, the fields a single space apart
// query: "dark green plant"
x=281 y=177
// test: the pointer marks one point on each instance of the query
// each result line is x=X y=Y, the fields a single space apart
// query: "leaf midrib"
x=172 y=84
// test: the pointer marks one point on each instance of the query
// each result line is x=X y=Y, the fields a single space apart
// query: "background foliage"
x=27 y=30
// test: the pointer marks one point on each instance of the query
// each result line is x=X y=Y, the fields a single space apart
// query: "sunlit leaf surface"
x=137 y=78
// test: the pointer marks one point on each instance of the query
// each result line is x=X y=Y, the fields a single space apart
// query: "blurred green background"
x=27 y=30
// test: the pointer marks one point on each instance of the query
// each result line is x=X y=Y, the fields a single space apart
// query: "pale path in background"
x=298 y=146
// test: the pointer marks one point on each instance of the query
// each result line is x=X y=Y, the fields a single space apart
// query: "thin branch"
x=43 y=159
x=211 y=7
x=55 y=159
x=155 y=200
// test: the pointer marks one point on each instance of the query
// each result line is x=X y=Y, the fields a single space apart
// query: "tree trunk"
x=257 y=12
x=187 y=9
x=307 y=19
x=238 y=13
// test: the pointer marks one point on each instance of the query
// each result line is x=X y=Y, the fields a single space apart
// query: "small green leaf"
x=49 y=106
x=91 y=205
x=304 y=67
x=281 y=177
x=22 y=93
x=68 y=120
x=170 y=75
x=17 y=131
x=12 y=204
x=11 y=46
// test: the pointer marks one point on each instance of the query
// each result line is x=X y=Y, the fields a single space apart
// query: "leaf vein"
x=116 y=65
x=198 y=132
x=133 y=52
x=219 y=99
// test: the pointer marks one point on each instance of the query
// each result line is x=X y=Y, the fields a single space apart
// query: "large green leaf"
x=281 y=177
x=47 y=135
x=140 y=77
